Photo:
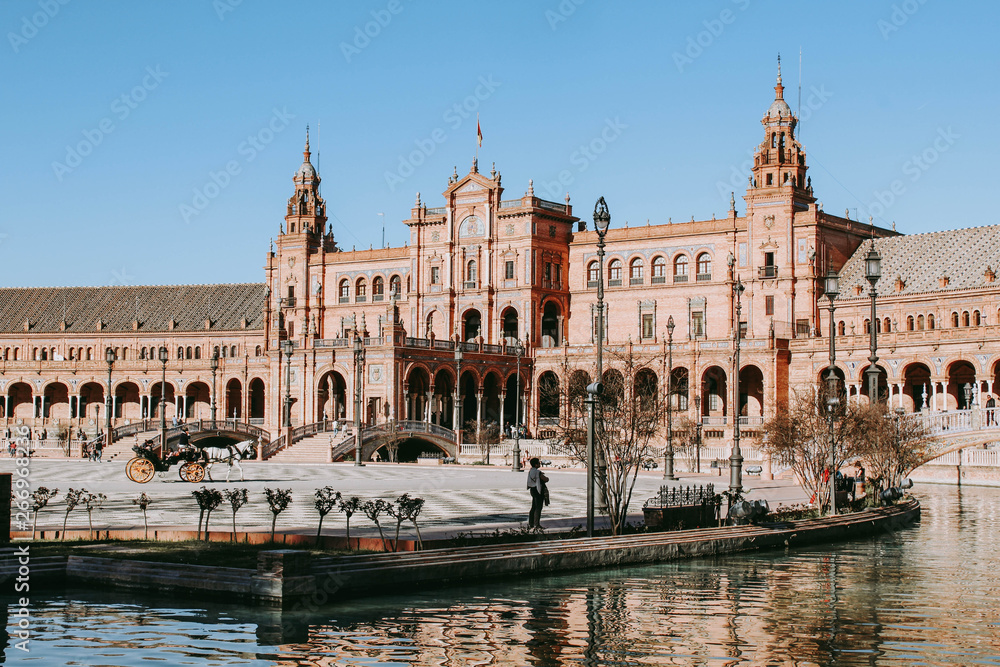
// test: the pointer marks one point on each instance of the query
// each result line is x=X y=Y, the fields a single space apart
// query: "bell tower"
x=779 y=161
x=306 y=213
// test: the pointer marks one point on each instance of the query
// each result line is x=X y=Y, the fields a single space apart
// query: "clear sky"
x=155 y=142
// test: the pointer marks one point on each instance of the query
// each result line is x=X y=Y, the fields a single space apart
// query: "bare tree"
x=798 y=436
x=277 y=502
x=349 y=506
x=483 y=434
x=142 y=500
x=40 y=497
x=237 y=498
x=372 y=509
x=628 y=418
x=326 y=499
x=208 y=500
x=890 y=445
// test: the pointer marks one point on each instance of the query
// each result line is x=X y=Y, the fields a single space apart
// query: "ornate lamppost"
x=109 y=356
x=163 y=405
x=697 y=431
x=602 y=220
x=832 y=289
x=286 y=422
x=359 y=364
x=213 y=363
x=668 y=464
x=873 y=271
x=516 y=465
x=458 y=399
x=736 y=460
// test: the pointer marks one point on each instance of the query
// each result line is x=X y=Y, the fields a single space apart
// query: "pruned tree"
x=798 y=436
x=40 y=497
x=237 y=498
x=373 y=509
x=349 y=507
x=628 y=416
x=889 y=444
x=142 y=500
x=208 y=501
x=412 y=510
x=92 y=501
x=326 y=499
x=73 y=498
x=277 y=501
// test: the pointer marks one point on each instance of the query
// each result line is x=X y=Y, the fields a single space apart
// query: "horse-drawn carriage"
x=194 y=462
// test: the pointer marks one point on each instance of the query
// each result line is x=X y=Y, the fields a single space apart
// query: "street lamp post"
x=697 y=432
x=359 y=363
x=668 y=464
x=163 y=405
x=873 y=271
x=109 y=356
x=214 y=365
x=832 y=289
x=286 y=421
x=458 y=398
x=602 y=221
x=736 y=460
x=516 y=465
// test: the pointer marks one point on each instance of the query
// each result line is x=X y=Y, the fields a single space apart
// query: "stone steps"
x=314 y=449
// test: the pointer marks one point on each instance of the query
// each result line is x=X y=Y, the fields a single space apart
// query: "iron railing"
x=677 y=496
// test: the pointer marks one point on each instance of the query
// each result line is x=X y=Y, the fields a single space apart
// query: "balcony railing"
x=635 y=281
x=767 y=272
x=470 y=284
x=680 y=278
x=658 y=280
x=617 y=282
x=703 y=277
x=592 y=284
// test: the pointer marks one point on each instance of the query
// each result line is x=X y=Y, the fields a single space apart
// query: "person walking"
x=536 y=486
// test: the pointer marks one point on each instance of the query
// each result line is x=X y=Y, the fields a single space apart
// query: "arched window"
x=232 y=351
x=395 y=286
x=197 y=352
x=430 y=324
x=593 y=274
x=840 y=328
x=217 y=354
x=635 y=272
x=930 y=321
x=90 y=354
x=681 y=269
x=976 y=320
x=142 y=353
x=256 y=351
x=868 y=327
x=470 y=273
x=909 y=322
x=659 y=270
x=954 y=320
x=965 y=318
x=704 y=266
x=887 y=325
x=920 y=322
x=378 y=288
x=45 y=354
x=361 y=291
x=344 y=291
x=180 y=352
x=615 y=273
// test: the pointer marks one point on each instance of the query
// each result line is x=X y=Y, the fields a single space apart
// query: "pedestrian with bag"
x=537 y=481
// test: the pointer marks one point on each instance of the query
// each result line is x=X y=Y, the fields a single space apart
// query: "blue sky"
x=154 y=142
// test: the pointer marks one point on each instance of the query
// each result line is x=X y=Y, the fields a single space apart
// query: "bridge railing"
x=205 y=425
x=300 y=433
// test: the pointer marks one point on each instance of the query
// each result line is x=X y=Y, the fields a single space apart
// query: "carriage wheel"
x=183 y=472
x=192 y=472
x=140 y=470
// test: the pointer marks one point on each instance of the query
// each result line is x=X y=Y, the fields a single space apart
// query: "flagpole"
x=479 y=136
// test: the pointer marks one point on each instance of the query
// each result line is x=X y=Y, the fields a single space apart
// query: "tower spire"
x=779 y=90
x=306 y=153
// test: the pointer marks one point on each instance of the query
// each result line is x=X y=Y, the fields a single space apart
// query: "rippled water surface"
x=929 y=595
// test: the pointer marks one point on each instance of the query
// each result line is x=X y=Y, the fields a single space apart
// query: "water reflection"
x=920 y=596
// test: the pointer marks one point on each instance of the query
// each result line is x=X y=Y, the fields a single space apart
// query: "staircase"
x=314 y=449
x=122 y=449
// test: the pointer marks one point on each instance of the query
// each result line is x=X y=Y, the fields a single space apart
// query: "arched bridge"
x=960 y=429
x=207 y=428
x=373 y=437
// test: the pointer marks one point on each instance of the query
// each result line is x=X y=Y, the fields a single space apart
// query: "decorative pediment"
x=769 y=243
x=471 y=186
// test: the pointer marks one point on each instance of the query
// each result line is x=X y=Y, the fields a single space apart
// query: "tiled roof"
x=154 y=306
x=921 y=260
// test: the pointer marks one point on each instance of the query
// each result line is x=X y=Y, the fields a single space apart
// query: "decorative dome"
x=308 y=172
x=779 y=107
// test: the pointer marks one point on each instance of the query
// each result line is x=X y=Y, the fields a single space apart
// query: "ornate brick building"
x=440 y=317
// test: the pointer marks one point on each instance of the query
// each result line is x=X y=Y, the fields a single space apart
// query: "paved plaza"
x=458 y=498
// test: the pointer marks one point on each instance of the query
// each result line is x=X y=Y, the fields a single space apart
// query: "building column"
x=427 y=408
x=934 y=393
x=503 y=404
x=899 y=394
x=479 y=407
x=944 y=395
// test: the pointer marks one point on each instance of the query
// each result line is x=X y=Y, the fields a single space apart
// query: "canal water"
x=927 y=595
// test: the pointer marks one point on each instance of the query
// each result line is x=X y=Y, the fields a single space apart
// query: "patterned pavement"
x=458 y=498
